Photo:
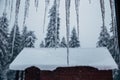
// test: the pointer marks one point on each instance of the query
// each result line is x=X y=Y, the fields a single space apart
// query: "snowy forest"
x=55 y=31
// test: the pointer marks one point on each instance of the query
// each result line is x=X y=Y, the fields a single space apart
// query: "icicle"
x=77 y=2
x=17 y=11
x=9 y=3
x=16 y=23
x=36 y=4
x=13 y=39
x=26 y=11
x=112 y=13
x=11 y=10
x=5 y=6
x=102 y=11
x=90 y=1
x=67 y=7
x=47 y=2
x=46 y=7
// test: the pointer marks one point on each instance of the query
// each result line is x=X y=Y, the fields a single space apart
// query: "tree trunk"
x=22 y=75
x=3 y=75
x=17 y=75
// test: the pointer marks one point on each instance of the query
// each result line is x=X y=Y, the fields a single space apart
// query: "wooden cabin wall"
x=82 y=73
x=69 y=73
x=32 y=73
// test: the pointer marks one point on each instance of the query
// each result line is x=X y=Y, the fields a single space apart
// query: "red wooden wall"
x=68 y=73
x=32 y=73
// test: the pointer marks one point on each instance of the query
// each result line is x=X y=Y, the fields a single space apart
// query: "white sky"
x=90 y=20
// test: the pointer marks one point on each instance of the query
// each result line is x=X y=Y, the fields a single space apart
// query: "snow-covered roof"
x=50 y=58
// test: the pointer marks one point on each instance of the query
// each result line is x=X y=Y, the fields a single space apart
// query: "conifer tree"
x=24 y=37
x=104 y=35
x=74 y=42
x=17 y=41
x=30 y=40
x=52 y=36
x=3 y=34
x=103 y=38
x=63 y=43
x=4 y=56
x=42 y=44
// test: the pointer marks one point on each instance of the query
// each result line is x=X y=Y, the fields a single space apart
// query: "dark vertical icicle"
x=67 y=8
x=77 y=3
x=26 y=11
x=114 y=30
x=15 y=23
x=36 y=4
x=114 y=37
x=46 y=7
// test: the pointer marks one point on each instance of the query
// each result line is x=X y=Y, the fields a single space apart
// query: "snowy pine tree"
x=74 y=42
x=42 y=44
x=103 y=38
x=52 y=37
x=3 y=34
x=4 y=56
x=24 y=37
x=63 y=43
x=111 y=47
x=17 y=41
x=30 y=40
x=104 y=35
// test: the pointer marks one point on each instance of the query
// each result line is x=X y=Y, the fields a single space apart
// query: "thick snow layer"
x=50 y=58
